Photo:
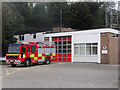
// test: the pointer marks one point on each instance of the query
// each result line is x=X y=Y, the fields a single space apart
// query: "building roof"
x=102 y=30
x=49 y=31
x=30 y=31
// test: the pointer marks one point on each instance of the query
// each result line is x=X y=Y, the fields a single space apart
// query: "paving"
x=61 y=75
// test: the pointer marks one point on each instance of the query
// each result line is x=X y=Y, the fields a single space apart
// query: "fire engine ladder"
x=46 y=43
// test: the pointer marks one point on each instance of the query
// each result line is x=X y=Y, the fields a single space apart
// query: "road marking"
x=19 y=69
x=58 y=83
x=7 y=71
x=13 y=71
x=0 y=77
x=46 y=65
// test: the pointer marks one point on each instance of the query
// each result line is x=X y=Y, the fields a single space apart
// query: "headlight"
x=7 y=60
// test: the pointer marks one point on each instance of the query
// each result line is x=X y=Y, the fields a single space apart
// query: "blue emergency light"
x=18 y=44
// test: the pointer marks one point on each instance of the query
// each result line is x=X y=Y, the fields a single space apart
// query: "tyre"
x=27 y=63
x=47 y=60
x=13 y=65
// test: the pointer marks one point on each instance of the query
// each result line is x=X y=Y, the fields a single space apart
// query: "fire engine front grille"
x=13 y=57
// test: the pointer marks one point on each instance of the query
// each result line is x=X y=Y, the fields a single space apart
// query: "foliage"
x=79 y=16
x=11 y=21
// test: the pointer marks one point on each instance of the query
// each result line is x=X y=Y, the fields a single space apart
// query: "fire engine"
x=30 y=53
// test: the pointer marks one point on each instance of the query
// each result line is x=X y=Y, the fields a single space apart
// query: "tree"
x=25 y=10
x=78 y=16
x=11 y=21
x=54 y=12
x=39 y=18
x=98 y=14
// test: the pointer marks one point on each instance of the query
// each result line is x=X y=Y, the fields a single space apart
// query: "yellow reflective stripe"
x=53 y=54
x=46 y=53
x=43 y=57
x=12 y=54
x=39 y=55
x=23 y=55
x=35 y=58
x=51 y=57
x=32 y=55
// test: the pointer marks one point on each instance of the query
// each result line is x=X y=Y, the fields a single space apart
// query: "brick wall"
x=119 y=48
x=105 y=41
x=113 y=50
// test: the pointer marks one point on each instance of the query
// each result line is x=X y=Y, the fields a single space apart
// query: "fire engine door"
x=23 y=50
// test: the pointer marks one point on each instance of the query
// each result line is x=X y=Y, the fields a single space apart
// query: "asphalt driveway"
x=61 y=75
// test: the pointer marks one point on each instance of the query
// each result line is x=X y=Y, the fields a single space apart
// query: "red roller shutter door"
x=63 y=48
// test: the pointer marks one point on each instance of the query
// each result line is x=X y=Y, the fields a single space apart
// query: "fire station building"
x=95 y=45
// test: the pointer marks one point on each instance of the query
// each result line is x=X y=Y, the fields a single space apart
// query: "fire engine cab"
x=30 y=53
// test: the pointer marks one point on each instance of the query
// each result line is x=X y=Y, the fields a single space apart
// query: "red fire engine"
x=30 y=53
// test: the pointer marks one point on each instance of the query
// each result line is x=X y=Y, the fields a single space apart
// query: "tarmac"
x=61 y=75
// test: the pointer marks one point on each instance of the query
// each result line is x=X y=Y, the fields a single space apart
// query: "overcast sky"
x=116 y=1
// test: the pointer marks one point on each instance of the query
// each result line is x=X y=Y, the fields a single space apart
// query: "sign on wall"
x=104 y=49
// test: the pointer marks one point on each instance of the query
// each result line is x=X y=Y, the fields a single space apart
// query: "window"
x=59 y=51
x=28 y=49
x=33 y=48
x=46 y=38
x=64 y=51
x=64 y=42
x=64 y=47
x=77 y=49
x=23 y=50
x=34 y=36
x=19 y=37
x=82 y=49
x=60 y=42
x=115 y=35
x=60 y=47
x=69 y=51
x=94 y=48
x=69 y=42
x=88 y=48
x=22 y=37
x=85 y=49
x=13 y=49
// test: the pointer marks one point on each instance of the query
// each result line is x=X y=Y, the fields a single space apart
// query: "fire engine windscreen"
x=13 y=49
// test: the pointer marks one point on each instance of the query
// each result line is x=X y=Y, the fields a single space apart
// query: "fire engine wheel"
x=27 y=63
x=47 y=61
x=13 y=65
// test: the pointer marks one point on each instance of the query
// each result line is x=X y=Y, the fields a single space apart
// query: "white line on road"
x=7 y=71
x=0 y=77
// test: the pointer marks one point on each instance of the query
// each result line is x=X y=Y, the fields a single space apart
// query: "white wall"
x=85 y=38
x=29 y=37
x=85 y=58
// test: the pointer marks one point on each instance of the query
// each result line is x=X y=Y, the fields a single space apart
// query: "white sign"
x=104 y=51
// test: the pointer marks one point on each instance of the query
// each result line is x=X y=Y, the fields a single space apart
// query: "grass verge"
x=2 y=63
